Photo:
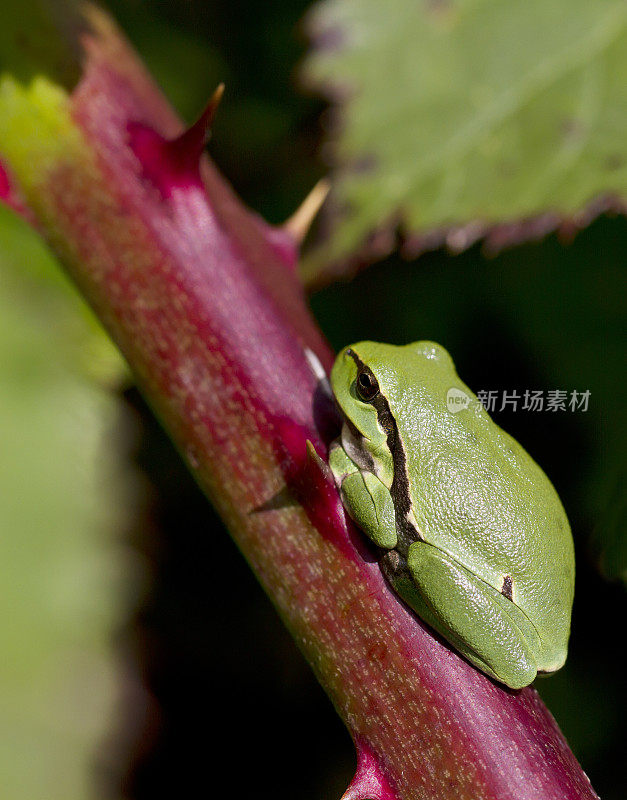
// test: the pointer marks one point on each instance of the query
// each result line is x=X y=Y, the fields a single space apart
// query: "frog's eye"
x=366 y=385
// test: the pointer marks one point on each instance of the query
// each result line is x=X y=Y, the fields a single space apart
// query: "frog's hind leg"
x=472 y=616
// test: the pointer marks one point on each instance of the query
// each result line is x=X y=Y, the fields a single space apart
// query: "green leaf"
x=469 y=113
x=64 y=572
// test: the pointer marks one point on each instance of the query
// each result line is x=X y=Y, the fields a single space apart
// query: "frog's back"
x=480 y=497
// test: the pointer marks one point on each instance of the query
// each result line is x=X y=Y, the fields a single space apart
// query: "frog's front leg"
x=482 y=624
x=365 y=497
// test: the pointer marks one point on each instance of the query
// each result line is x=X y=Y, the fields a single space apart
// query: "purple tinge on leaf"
x=10 y=196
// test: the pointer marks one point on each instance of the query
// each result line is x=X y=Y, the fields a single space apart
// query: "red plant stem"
x=203 y=299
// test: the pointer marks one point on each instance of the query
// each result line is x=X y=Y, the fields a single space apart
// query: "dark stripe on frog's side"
x=507 y=590
x=399 y=490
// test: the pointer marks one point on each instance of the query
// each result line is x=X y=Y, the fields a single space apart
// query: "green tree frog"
x=473 y=535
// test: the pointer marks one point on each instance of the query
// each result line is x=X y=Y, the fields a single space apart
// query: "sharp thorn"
x=212 y=106
x=298 y=225
x=193 y=140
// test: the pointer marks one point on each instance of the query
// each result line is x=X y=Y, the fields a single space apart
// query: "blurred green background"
x=188 y=660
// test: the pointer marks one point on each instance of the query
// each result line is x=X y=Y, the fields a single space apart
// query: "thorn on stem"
x=369 y=782
x=191 y=143
x=316 y=463
x=172 y=163
x=298 y=225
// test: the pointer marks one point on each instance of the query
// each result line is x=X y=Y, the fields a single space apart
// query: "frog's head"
x=364 y=378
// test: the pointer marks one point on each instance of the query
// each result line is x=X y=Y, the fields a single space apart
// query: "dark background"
x=232 y=697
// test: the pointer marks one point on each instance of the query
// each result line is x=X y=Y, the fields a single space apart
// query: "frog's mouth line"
x=406 y=531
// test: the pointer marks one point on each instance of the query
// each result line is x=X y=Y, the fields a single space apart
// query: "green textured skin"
x=485 y=514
